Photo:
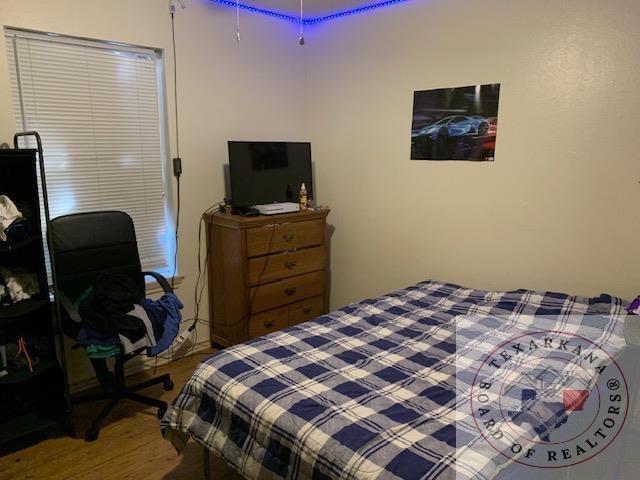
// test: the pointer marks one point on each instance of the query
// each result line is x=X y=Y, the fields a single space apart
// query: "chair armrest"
x=164 y=283
x=69 y=307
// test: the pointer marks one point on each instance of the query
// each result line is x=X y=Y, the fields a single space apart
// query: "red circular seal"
x=549 y=399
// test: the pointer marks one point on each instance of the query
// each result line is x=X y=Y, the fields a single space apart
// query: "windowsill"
x=154 y=287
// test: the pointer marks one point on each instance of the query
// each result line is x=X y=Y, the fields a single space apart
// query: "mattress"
x=378 y=389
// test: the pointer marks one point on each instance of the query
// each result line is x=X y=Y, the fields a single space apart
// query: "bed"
x=373 y=389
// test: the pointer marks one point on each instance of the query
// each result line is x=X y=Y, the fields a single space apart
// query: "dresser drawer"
x=286 y=264
x=284 y=236
x=284 y=292
x=267 y=322
x=305 y=310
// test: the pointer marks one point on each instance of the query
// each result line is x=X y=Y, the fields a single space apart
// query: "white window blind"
x=98 y=109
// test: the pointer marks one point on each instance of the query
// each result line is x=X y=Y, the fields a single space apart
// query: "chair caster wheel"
x=168 y=384
x=91 y=435
x=161 y=412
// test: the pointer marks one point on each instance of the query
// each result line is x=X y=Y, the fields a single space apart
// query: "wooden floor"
x=130 y=445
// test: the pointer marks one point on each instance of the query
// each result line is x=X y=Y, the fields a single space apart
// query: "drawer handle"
x=269 y=323
x=290 y=291
x=288 y=237
x=290 y=265
x=306 y=310
x=274 y=225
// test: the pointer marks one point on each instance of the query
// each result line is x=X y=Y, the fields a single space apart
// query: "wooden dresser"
x=265 y=273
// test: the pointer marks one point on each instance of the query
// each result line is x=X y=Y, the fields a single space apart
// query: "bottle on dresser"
x=304 y=204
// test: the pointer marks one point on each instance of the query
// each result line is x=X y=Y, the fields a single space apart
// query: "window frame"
x=11 y=33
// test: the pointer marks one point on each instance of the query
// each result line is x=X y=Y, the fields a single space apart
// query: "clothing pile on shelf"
x=115 y=318
x=13 y=226
x=17 y=285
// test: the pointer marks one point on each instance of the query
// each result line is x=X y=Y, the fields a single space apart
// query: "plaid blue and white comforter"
x=369 y=391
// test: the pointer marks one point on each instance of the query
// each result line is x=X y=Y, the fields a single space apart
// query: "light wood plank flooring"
x=130 y=445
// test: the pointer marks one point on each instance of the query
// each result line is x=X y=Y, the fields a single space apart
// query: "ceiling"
x=312 y=8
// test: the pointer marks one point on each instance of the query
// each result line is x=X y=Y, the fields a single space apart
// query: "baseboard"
x=147 y=363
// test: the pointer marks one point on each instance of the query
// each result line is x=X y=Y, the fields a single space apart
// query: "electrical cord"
x=264 y=266
x=177 y=162
x=175 y=79
x=200 y=284
x=175 y=253
x=202 y=271
x=200 y=281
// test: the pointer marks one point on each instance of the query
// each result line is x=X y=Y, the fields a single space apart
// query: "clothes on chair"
x=107 y=308
x=87 y=336
x=164 y=320
x=83 y=296
x=97 y=344
x=148 y=340
x=160 y=319
x=157 y=315
x=103 y=351
x=169 y=307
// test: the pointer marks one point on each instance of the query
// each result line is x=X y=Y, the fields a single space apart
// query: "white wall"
x=557 y=210
x=251 y=90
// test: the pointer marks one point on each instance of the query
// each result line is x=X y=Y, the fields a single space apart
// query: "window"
x=99 y=109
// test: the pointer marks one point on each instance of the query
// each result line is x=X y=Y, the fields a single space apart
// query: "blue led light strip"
x=309 y=21
x=249 y=8
x=355 y=11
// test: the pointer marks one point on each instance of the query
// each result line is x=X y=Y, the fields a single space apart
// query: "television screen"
x=268 y=172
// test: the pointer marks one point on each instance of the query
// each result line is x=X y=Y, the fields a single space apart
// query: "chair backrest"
x=87 y=244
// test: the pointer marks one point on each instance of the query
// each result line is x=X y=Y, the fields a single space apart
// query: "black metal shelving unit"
x=38 y=400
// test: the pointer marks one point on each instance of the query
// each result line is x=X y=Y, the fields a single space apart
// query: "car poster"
x=455 y=123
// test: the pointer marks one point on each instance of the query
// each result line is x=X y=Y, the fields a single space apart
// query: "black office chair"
x=85 y=245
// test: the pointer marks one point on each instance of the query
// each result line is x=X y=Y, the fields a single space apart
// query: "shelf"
x=24 y=425
x=9 y=246
x=32 y=403
x=22 y=308
x=25 y=375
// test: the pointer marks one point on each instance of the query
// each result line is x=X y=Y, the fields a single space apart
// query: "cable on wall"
x=177 y=161
x=191 y=331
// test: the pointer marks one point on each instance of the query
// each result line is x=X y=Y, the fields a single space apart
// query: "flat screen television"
x=268 y=172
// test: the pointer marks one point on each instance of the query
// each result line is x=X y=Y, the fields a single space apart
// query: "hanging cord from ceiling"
x=177 y=161
x=301 y=39
x=238 y=20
